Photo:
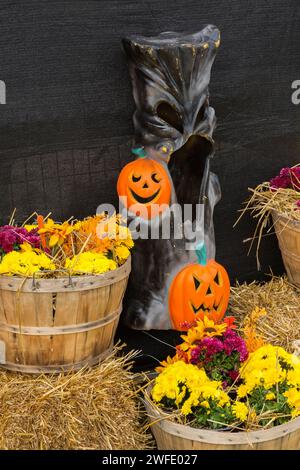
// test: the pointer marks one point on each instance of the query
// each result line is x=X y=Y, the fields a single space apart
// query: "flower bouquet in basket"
x=214 y=383
x=61 y=286
x=275 y=205
x=46 y=248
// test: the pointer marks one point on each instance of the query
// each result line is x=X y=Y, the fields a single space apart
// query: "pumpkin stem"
x=201 y=253
x=139 y=152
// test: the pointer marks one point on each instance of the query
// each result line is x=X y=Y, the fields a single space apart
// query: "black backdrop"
x=66 y=129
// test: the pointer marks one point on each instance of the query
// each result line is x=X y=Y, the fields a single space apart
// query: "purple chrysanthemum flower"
x=285 y=172
x=280 y=182
x=233 y=342
x=233 y=374
x=287 y=178
x=195 y=353
x=212 y=345
x=12 y=237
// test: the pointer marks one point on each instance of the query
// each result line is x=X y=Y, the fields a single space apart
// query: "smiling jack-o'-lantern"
x=199 y=291
x=144 y=187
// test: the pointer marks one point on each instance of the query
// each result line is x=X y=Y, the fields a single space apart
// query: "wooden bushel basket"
x=288 y=235
x=172 y=436
x=52 y=325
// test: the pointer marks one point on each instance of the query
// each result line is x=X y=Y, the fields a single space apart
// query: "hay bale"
x=94 y=408
x=281 y=325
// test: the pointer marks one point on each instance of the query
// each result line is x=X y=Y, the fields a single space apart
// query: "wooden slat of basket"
x=288 y=234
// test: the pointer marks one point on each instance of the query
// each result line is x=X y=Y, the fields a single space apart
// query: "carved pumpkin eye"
x=197 y=283
x=155 y=178
x=209 y=291
x=218 y=279
x=135 y=179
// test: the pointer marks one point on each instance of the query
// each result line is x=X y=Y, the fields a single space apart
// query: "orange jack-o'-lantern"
x=197 y=291
x=144 y=187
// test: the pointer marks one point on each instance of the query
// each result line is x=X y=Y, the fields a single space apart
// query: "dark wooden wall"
x=67 y=125
x=66 y=128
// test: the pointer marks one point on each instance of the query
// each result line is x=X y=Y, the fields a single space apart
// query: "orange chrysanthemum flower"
x=253 y=339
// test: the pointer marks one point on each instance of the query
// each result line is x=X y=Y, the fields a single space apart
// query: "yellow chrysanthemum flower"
x=30 y=227
x=263 y=368
x=293 y=375
x=270 y=366
x=124 y=236
x=270 y=396
x=189 y=386
x=240 y=410
x=122 y=253
x=205 y=404
x=293 y=398
x=25 y=263
x=242 y=391
x=26 y=247
x=90 y=263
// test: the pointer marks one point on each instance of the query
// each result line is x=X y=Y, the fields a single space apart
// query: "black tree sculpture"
x=174 y=123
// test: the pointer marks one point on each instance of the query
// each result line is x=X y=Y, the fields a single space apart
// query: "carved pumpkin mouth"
x=204 y=309
x=201 y=307
x=144 y=200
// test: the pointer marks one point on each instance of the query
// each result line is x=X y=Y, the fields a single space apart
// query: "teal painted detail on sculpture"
x=139 y=152
x=201 y=253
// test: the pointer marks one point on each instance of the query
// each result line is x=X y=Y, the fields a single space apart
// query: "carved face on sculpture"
x=143 y=186
x=173 y=119
x=199 y=291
